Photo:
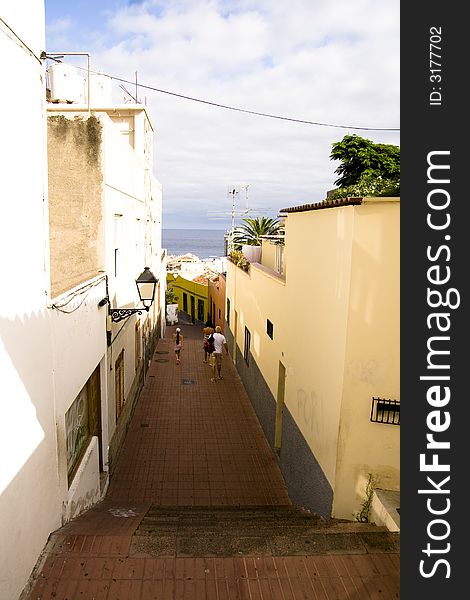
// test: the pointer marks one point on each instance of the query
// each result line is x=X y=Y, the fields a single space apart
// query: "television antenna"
x=233 y=193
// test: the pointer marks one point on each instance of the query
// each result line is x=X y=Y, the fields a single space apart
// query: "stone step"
x=251 y=517
x=274 y=531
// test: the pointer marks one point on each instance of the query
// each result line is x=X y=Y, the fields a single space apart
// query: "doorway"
x=281 y=386
x=235 y=325
x=119 y=383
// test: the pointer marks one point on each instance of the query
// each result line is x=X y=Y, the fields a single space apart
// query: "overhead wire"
x=254 y=112
x=238 y=109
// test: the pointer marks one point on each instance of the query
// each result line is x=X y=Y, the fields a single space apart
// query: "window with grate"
x=385 y=411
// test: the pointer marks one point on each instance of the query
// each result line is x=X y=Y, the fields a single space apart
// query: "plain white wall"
x=28 y=463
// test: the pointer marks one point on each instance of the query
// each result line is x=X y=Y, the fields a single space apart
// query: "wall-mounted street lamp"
x=146 y=283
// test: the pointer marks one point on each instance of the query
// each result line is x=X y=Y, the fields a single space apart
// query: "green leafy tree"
x=366 y=168
x=170 y=296
x=251 y=231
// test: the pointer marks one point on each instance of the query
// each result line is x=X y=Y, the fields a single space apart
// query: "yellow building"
x=192 y=295
x=314 y=328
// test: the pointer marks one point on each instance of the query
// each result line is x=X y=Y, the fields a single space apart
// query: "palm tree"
x=251 y=231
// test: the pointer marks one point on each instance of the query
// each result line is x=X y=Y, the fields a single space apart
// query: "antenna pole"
x=245 y=187
x=232 y=232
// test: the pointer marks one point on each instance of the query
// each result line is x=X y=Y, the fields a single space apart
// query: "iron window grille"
x=385 y=411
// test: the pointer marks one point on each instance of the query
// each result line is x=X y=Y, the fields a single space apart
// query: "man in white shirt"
x=219 y=343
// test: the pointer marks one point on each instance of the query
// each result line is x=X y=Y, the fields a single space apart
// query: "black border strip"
x=434 y=247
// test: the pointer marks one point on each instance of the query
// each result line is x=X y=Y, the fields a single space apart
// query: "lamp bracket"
x=119 y=314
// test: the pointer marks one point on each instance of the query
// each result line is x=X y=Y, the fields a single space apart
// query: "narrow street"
x=197 y=509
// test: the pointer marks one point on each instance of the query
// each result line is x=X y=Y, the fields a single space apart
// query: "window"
x=385 y=411
x=139 y=238
x=228 y=312
x=77 y=432
x=246 y=350
x=185 y=302
x=82 y=421
x=269 y=328
x=117 y=242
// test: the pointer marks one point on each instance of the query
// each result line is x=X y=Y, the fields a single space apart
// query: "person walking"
x=178 y=337
x=206 y=332
x=219 y=344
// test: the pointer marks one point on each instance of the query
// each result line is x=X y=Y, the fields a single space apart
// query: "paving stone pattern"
x=197 y=509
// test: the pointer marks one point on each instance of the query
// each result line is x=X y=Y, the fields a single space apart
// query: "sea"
x=204 y=243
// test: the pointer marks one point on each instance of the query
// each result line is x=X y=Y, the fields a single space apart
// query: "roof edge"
x=348 y=201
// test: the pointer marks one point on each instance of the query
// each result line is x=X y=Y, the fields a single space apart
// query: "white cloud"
x=330 y=62
x=59 y=26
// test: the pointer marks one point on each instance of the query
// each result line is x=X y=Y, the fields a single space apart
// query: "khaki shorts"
x=212 y=360
x=217 y=358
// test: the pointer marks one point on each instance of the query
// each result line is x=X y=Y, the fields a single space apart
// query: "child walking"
x=178 y=337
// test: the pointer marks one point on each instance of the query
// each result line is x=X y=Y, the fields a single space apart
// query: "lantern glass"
x=146 y=283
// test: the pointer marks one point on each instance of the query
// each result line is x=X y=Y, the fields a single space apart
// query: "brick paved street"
x=195 y=444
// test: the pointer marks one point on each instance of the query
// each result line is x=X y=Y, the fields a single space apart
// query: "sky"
x=330 y=62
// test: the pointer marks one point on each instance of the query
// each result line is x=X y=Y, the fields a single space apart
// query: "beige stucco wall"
x=309 y=313
x=336 y=331
x=255 y=297
x=75 y=200
x=268 y=254
x=372 y=362
x=318 y=261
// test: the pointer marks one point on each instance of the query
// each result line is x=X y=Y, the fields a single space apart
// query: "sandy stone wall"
x=75 y=200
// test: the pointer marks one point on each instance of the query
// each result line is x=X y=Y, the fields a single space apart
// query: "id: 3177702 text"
x=435 y=66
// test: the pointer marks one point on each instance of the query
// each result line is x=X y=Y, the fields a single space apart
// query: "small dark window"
x=269 y=328
x=185 y=302
x=246 y=350
x=228 y=311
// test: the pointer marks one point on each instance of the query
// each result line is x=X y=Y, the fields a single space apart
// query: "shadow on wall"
x=306 y=483
x=28 y=452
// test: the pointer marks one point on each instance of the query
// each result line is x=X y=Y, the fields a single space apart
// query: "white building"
x=30 y=507
x=105 y=220
x=81 y=218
